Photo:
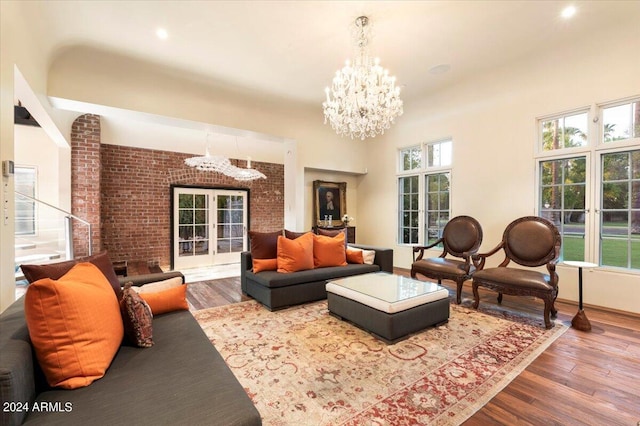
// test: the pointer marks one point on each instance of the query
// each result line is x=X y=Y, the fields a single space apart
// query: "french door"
x=210 y=226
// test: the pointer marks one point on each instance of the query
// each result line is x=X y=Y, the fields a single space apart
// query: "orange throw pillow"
x=295 y=255
x=173 y=299
x=329 y=251
x=354 y=256
x=75 y=325
x=260 y=265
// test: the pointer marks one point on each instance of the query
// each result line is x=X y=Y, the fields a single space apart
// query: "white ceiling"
x=291 y=49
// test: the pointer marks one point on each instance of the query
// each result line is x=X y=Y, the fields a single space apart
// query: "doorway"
x=209 y=226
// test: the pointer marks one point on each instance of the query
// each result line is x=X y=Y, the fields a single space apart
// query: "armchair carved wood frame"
x=461 y=238
x=529 y=241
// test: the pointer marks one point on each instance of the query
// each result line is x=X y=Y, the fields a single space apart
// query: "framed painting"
x=329 y=203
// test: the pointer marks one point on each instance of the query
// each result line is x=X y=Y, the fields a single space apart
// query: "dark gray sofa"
x=182 y=379
x=277 y=290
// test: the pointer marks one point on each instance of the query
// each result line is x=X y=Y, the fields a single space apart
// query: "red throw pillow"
x=295 y=255
x=75 y=326
x=354 y=256
x=329 y=251
x=173 y=299
x=260 y=265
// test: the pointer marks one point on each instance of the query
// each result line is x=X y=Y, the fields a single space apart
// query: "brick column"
x=85 y=182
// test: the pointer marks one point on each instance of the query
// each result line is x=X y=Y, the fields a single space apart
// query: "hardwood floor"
x=590 y=378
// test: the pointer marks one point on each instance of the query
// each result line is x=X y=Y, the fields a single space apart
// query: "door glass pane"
x=201 y=247
x=185 y=201
x=223 y=231
x=236 y=216
x=224 y=246
x=200 y=201
x=201 y=217
x=224 y=216
x=186 y=217
x=236 y=231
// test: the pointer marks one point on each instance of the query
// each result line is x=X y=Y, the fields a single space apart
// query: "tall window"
x=424 y=192
x=574 y=163
x=408 y=207
x=562 y=200
x=437 y=211
x=25 y=209
x=620 y=210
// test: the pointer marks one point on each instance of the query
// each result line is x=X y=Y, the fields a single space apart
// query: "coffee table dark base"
x=390 y=328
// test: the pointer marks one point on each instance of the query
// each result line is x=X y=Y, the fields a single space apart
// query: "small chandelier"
x=363 y=100
x=220 y=164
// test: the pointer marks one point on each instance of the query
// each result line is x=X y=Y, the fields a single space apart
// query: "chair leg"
x=459 y=292
x=499 y=298
x=476 y=295
x=554 y=311
x=548 y=303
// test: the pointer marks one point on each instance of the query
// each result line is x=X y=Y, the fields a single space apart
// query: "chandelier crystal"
x=220 y=164
x=363 y=100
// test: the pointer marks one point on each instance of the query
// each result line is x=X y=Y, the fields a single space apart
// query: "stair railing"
x=68 y=229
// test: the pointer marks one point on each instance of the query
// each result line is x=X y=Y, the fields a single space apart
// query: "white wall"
x=34 y=148
x=492 y=120
x=17 y=49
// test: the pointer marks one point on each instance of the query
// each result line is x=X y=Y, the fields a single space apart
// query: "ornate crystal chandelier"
x=363 y=100
x=220 y=164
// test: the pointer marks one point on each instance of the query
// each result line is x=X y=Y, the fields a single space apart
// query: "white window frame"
x=401 y=151
x=593 y=152
x=421 y=172
x=599 y=119
x=540 y=152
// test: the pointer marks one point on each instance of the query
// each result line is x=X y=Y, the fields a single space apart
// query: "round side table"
x=580 y=321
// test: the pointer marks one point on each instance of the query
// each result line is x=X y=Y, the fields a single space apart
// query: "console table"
x=351 y=231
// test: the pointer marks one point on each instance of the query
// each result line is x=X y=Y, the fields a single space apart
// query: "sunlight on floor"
x=211 y=272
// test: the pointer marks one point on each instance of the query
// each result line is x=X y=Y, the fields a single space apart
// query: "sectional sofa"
x=181 y=379
x=277 y=290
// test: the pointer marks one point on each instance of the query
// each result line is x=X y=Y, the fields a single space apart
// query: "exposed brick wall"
x=85 y=182
x=136 y=203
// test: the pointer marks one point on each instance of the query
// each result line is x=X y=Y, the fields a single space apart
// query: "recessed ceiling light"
x=568 y=12
x=162 y=34
x=439 y=69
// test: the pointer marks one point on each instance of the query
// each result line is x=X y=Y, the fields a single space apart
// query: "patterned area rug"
x=301 y=366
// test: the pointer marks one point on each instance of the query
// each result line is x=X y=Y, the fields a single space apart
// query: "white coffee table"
x=387 y=305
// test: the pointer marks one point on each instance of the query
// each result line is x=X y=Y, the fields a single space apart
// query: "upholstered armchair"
x=529 y=241
x=461 y=238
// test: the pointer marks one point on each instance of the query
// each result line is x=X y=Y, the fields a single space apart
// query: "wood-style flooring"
x=583 y=378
